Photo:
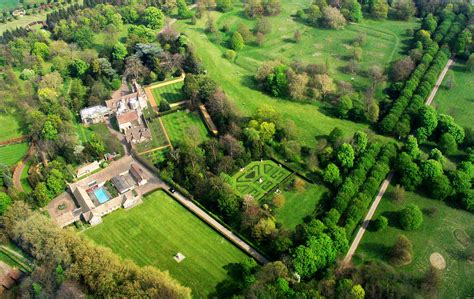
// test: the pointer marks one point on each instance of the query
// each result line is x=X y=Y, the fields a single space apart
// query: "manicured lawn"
x=13 y=153
x=10 y=126
x=177 y=125
x=7 y=4
x=299 y=205
x=171 y=93
x=236 y=79
x=158 y=137
x=459 y=100
x=153 y=232
x=437 y=234
x=248 y=181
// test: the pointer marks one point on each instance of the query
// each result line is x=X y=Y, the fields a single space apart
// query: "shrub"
x=380 y=223
x=411 y=217
x=402 y=252
x=230 y=55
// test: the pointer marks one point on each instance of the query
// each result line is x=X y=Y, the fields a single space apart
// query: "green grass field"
x=248 y=181
x=437 y=234
x=158 y=137
x=236 y=79
x=177 y=125
x=24 y=178
x=459 y=100
x=7 y=4
x=153 y=232
x=171 y=93
x=298 y=205
x=10 y=126
x=11 y=154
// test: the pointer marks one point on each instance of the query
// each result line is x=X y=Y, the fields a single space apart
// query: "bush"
x=411 y=217
x=230 y=55
x=402 y=252
x=379 y=224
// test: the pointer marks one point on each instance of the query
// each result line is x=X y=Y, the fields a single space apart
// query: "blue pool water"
x=101 y=195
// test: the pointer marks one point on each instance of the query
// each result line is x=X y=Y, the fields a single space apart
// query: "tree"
x=78 y=67
x=335 y=136
x=134 y=68
x=352 y=10
x=183 y=10
x=119 y=52
x=345 y=156
x=447 y=143
x=278 y=200
x=411 y=217
x=357 y=292
x=271 y=7
x=263 y=26
x=380 y=223
x=331 y=174
x=360 y=142
x=40 y=50
x=332 y=18
x=398 y=193
x=439 y=187
x=324 y=84
x=299 y=184
x=224 y=5
x=379 y=9
x=264 y=228
x=153 y=17
x=411 y=147
x=429 y=23
x=253 y=8
x=344 y=106
x=409 y=171
x=297 y=85
x=244 y=32
x=403 y=9
x=431 y=168
x=5 y=202
x=164 y=105
x=41 y=194
x=402 y=252
x=84 y=37
x=450 y=80
x=373 y=112
x=401 y=69
x=237 y=42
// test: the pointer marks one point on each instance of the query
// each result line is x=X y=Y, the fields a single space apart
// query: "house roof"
x=137 y=134
x=137 y=172
x=120 y=183
x=127 y=117
x=94 y=111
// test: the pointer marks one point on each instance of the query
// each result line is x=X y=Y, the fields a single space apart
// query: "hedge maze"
x=259 y=178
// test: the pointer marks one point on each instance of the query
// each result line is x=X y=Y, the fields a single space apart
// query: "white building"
x=94 y=115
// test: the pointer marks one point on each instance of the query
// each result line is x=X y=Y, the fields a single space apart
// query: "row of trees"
x=400 y=118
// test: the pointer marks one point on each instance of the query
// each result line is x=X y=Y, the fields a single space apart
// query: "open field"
x=10 y=126
x=153 y=232
x=459 y=100
x=248 y=180
x=178 y=124
x=236 y=79
x=383 y=42
x=448 y=231
x=298 y=205
x=158 y=137
x=156 y=157
x=11 y=154
x=171 y=93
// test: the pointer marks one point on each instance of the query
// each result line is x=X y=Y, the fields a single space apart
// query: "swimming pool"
x=101 y=195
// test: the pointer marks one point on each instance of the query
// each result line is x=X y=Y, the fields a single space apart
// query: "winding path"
x=438 y=83
x=19 y=169
x=367 y=219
